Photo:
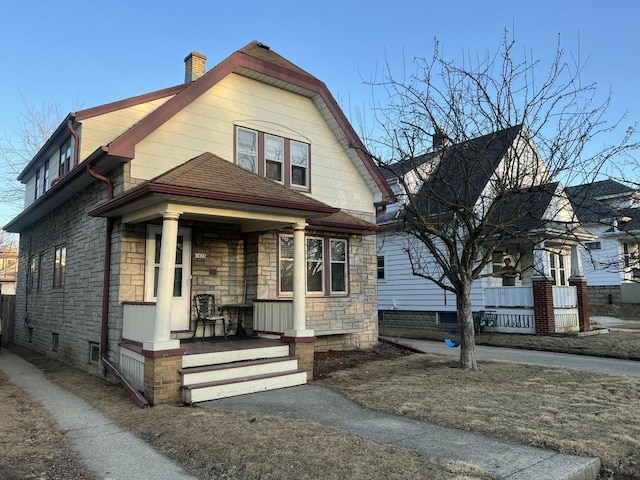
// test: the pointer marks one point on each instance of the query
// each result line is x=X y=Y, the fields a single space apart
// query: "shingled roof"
x=211 y=181
x=587 y=200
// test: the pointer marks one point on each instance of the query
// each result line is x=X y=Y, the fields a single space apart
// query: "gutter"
x=133 y=392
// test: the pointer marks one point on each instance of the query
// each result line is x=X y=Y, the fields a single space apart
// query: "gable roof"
x=587 y=200
x=464 y=171
x=256 y=61
x=259 y=62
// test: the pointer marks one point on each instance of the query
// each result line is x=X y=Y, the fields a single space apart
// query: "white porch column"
x=299 y=285
x=162 y=324
x=540 y=262
x=576 y=262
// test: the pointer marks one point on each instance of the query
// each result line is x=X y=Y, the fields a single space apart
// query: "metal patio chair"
x=207 y=311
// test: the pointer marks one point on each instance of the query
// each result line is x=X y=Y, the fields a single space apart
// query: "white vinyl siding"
x=205 y=125
x=411 y=292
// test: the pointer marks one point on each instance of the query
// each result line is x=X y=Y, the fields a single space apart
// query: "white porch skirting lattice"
x=132 y=367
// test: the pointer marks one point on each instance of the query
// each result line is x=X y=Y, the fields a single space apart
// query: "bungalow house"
x=242 y=183
x=527 y=220
x=610 y=211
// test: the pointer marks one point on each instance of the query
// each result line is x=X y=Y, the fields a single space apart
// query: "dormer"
x=54 y=160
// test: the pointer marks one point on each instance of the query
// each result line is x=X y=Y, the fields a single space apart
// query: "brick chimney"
x=440 y=138
x=195 y=65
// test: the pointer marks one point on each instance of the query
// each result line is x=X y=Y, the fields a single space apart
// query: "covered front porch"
x=190 y=232
x=549 y=295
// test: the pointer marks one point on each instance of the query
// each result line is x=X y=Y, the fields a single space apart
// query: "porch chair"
x=207 y=311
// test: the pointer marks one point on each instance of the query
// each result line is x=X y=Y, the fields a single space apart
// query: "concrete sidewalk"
x=552 y=359
x=501 y=458
x=106 y=449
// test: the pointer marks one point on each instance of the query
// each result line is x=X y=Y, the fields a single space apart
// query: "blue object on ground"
x=451 y=343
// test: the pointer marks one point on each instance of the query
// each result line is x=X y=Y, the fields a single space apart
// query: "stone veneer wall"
x=412 y=319
x=604 y=294
x=331 y=315
x=72 y=311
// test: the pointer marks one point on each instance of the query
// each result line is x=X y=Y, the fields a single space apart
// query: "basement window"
x=448 y=318
x=94 y=352
x=55 y=342
x=30 y=334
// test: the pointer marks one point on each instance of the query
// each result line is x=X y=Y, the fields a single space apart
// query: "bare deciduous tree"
x=17 y=148
x=477 y=148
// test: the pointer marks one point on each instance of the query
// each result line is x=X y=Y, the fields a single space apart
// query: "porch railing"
x=137 y=321
x=565 y=303
x=273 y=316
x=496 y=297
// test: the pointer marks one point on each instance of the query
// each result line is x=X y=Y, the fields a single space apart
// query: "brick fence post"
x=543 y=306
x=583 y=302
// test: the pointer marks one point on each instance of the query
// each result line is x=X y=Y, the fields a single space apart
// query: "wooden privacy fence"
x=7 y=316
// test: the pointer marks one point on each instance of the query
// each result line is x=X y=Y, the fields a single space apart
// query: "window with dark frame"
x=45 y=177
x=381 y=270
x=40 y=267
x=60 y=266
x=277 y=158
x=55 y=342
x=64 y=165
x=31 y=275
x=36 y=189
x=322 y=254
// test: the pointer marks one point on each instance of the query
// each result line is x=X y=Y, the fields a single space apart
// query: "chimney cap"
x=195 y=54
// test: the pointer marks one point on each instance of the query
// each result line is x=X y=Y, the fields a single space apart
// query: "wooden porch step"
x=234 y=355
x=240 y=386
x=243 y=369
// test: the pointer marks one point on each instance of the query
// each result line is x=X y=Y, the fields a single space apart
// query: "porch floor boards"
x=213 y=345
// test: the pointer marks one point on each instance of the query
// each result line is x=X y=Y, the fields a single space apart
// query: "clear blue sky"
x=84 y=53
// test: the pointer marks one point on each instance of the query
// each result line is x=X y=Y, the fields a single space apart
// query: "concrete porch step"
x=240 y=386
x=234 y=355
x=242 y=369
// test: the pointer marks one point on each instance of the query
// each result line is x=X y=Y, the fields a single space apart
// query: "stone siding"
x=72 y=311
x=604 y=295
x=413 y=320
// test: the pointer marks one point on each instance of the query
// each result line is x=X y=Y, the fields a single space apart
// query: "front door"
x=180 y=307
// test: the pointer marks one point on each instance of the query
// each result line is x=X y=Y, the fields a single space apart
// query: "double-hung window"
x=65 y=158
x=299 y=164
x=274 y=158
x=60 y=266
x=381 y=267
x=247 y=149
x=326 y=262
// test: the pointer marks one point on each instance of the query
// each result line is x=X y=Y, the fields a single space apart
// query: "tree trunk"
x=467 y=332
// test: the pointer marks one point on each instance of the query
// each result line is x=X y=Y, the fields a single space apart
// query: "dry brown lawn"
x=615 y=344
x=567 y=410
x=31 y=444
x=212 y=444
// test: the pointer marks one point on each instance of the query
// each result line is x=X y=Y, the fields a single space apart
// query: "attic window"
x=593 y=245
x=277 y=158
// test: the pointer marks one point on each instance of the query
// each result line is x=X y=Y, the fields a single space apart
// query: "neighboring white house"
x=610 y=211
x=544 y=243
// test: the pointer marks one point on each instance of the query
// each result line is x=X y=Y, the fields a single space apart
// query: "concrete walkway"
x=111 y=452
x=565 y=360
x=501 y=458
